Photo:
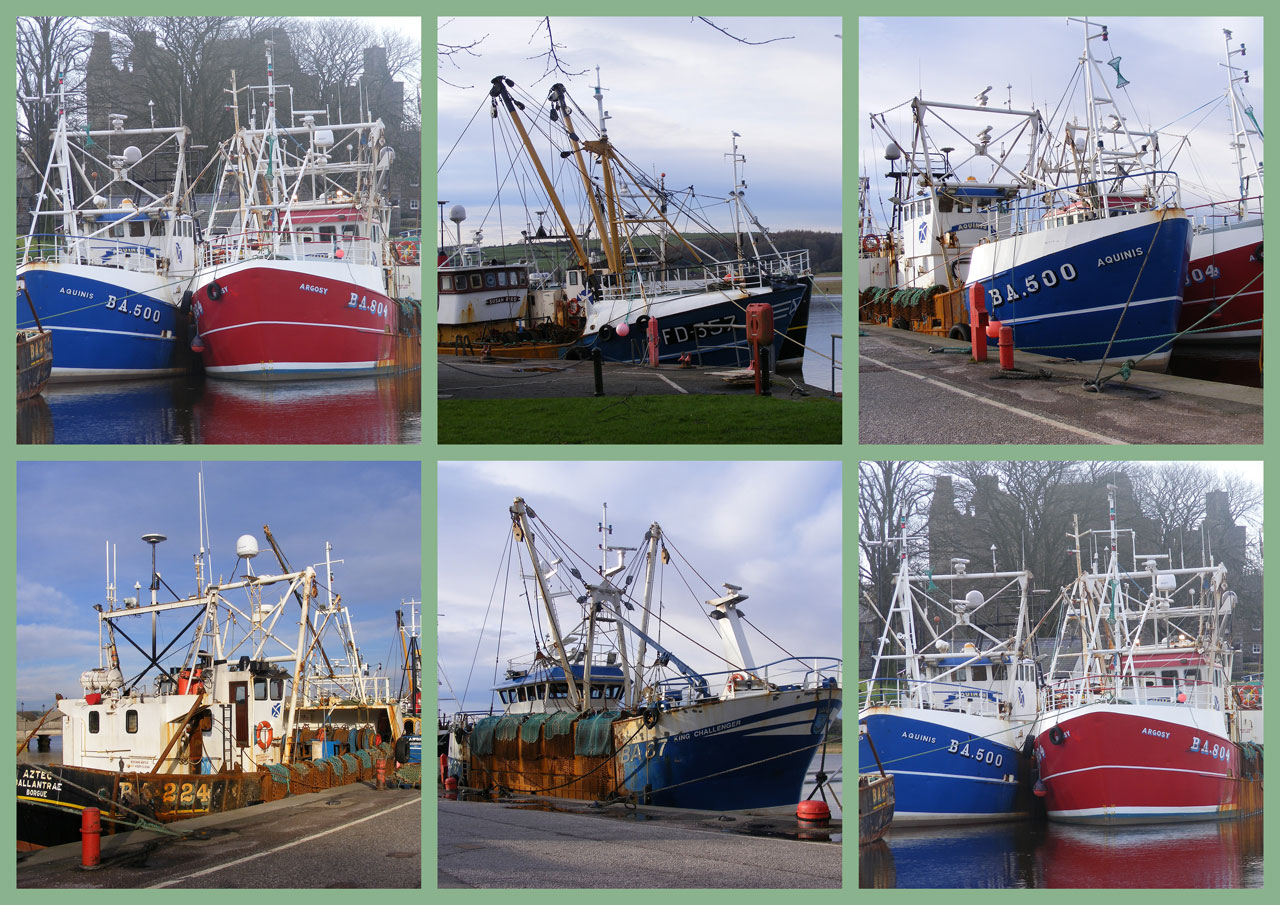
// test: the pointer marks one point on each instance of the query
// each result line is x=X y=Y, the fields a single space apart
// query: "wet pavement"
x=350 y=837
x=492 y=845
x=473 y=378
x=907 y=394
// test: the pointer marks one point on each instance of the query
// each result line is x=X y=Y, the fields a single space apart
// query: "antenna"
x=154 y=540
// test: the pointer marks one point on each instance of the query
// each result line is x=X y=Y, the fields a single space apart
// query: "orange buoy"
x=813 y=811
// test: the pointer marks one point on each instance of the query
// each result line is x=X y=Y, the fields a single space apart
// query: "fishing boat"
x=587 y=716
x=1138 y=723
x=252 y=699
x=949 y=714
x=107 y=260
x=294 y=278
x=696 y=301
x=1223 y=299
x=1079 y=245
x=500 y=309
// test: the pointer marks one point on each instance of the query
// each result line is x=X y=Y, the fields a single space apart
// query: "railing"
x=377 y=690
x=741 y=274
x=1067 y=204
x=1204 y=215
x=232 y=247
x=791 y=673
x=1067 y=694
x=54 y=248
x=933 y=695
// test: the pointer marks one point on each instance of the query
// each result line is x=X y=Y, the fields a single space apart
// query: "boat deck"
x=907 y=394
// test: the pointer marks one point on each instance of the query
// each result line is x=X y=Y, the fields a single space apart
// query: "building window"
x=131 y=721
x=413 y=204
x=1255 y=648
x=93 y=720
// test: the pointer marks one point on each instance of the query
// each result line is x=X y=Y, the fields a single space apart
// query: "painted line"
x=1138 y=767
x=280 y=848
x=667 y=380
x=291 y=324
x=1071 y=428
x=1032 y=318
x=960 y=776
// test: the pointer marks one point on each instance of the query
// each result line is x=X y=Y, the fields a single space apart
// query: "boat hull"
x=107 y=323
x=948 y=767
x=1223 y=297
x=1098 y=289
x=725 y=755
x=1109 y=764
x=52 y=798
x=876 y=803
x=708 y=327
x=288 y=320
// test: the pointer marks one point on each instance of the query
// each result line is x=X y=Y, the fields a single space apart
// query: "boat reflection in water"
x=192 y=410
x=1035 y=855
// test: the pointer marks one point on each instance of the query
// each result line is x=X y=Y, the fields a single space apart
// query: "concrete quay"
x=540 y=845
x=908 y=394
x=462 y=377
x=348 y=837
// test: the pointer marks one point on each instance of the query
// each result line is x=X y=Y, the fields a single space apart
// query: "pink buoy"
x=623 y=329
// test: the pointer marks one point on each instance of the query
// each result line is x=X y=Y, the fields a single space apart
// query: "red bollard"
x=381 y=782
x=1006 y=348
x=90 y=839
x=652 y=330
x=978 y=318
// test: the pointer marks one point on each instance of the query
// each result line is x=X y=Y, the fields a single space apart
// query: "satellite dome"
x=246 y=546
x=132 y=155
x=457 y=213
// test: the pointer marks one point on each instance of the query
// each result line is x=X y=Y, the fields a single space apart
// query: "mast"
x=738 y=188
x=524 y=532
x=308 y=579
x=499 y=91
x=1240 y=130
x=651 y=564
x=607 y=236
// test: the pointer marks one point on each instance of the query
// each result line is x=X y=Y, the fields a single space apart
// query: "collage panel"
x=249 y=714
x=631 y=248
x=1060 y=674
x=1062 y=246
x=219 y=230
x=653 y=671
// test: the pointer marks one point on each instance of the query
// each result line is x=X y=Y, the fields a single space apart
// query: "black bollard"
x=764 y=371
x=596 y=365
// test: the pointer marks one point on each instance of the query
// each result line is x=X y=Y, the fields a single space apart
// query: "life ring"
x=734 y=680
x=1056 y=735
x=1249 y=697
x=214 y=290
x=871 y=244
x=575 y=308
x=264 y=735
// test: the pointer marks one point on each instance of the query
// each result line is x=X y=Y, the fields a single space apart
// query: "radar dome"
x=457 y=213
x=246 y=546
x=132 y=155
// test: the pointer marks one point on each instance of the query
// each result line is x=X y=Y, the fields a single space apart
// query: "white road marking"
x=665 y=379
x=1101 y=438
x=280 y=848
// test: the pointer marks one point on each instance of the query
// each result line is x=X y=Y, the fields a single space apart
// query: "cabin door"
x=240 y=702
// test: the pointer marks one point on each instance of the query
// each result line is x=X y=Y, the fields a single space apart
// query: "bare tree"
x=889 y=494
x=46 y=47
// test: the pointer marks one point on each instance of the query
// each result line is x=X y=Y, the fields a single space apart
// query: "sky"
x=370 y=512
x=675 y=90
x=1172 y=64
x=773 y=528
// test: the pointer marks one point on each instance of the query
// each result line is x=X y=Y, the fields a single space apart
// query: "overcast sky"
x=772 y=527
x=1172 y=65
x=369 y=511
x=675 y=90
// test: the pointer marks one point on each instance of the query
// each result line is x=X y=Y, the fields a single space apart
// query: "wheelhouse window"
x=559 y=690
x=1170 y=677
x=490 y=280
x=277 y=689
x=131 y=721
x=94 y=718
x=979 y=673
x=259 y=688
x=477 y=281
x=502 y=278
x=137 y=229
